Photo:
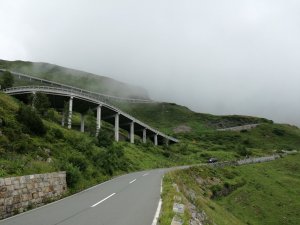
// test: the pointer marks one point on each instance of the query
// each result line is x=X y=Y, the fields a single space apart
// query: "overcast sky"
x=216 y=56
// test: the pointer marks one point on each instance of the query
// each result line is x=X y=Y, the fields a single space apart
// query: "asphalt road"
x=131 y=199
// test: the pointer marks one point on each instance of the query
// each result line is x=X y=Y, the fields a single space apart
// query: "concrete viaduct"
x=81 y=101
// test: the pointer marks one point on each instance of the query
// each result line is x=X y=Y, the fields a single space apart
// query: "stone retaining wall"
x=239 y=128
x=18 y=194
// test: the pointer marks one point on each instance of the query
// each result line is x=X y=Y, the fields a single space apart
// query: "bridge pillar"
x=63 y=119
x=132 y=132
x=33 y=100
x=70 y=112
x=82 y=123
x=144 y=135
x=155 y=140
x=117 y=127
x=98 y=126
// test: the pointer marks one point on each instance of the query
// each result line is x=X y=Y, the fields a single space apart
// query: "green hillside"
x=203 y=139
x=25 y=148
x=258 y=194
x=33 y=141
x=76 y=78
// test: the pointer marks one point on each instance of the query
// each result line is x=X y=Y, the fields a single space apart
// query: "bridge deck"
x=83 y=100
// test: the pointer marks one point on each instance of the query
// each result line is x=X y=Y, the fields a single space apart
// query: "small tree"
x=31 y=120
x=104 y=139
x=7 y=80
x=41 y=103
x=114 y=159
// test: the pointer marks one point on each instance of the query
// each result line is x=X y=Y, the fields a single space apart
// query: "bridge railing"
x=80 y=93
x=100 y=95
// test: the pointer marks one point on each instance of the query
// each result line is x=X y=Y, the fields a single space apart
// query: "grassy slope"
x=267 y=193
x=24 y=153
x=167 y=116
x=77 y=78
x=271 y=194
x=203 y=141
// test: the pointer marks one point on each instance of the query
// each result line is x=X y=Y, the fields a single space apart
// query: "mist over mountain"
x=219 y=57
x=84 y=80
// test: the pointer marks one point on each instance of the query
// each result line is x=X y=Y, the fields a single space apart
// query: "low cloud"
x=221 y=57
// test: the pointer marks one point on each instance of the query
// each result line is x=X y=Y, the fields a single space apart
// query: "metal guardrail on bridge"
x=81 y=95
x=103 y=97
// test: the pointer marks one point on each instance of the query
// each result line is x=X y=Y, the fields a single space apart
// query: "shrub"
x=73 y=175
x=243 y=151
x=79 y=161
x=57 y=133
x=41 y=103
x=23 y=145
x=31 y=120
x=278 y=132
x=215 y=189
x=113 y=159
x=104 y=139
x=7 y=80
x=166 y=154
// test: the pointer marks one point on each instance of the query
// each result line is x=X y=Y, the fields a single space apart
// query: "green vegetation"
x=266 y=193
x=33 y=142
x=168 y=116
x=169 y=192
x=27 y=116
x=7 y=80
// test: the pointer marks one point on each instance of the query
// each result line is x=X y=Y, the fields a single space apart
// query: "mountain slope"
x=76 y=78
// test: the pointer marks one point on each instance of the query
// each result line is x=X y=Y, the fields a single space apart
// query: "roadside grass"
x=196 y=195
x=168 y=194
x=86 y=162
x=259 y=194
x=271 y=195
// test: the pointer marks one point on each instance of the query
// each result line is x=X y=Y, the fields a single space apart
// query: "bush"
x=243 y=151
x=104 y=139
x=7 y=80
x=278 y=132
x=79 y=161
x=73 y=175
x=57 y=133
x=23 y=145
x=31 y=120
x=166 y=154
x=41 y=103
x=216 y=189
x=113 y=159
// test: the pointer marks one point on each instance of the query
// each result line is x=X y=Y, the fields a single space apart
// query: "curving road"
x=131 y=199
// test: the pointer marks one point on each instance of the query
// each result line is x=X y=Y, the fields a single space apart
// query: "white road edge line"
x=145 y=174
x=103 y=200
x=132 y=181
x=156 y=217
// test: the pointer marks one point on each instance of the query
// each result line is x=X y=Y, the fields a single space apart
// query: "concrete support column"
x=117 y=127
x=98 y=127
x=70 y=112
x=132 y=132
x=144 y=136
x=82 y=123
x=33 y=100
x=155 y=140
x=63 y=119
